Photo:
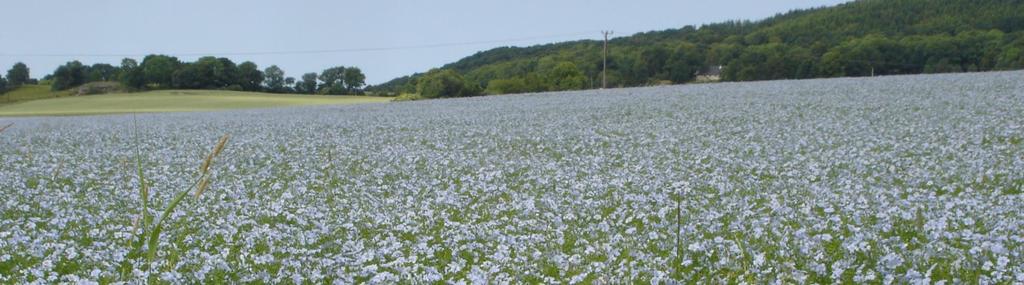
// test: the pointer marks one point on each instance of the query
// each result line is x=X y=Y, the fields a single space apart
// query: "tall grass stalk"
x=143 y=189
x=199 y=184
x=6 y=127
x=150 y=229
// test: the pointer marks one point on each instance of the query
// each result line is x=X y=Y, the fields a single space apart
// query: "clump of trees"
x=445 y=83
x=562 y=76
x=168 y=72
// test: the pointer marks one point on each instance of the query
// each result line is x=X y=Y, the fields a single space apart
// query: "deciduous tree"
x=250 y=77
x=18 y=75
x=274 y=80
x=354 y=80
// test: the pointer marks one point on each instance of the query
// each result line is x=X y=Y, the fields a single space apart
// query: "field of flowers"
x=874 y=180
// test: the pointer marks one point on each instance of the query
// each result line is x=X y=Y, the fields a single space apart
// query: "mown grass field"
x=165 y=101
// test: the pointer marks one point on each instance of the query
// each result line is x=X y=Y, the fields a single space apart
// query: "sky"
x=384 y=38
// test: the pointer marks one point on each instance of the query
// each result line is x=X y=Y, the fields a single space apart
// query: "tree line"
x=168 y=72
x=860 y=38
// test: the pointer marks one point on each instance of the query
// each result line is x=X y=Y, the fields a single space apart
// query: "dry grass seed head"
x=202 y=186
x=216 y=151
x=220 y=145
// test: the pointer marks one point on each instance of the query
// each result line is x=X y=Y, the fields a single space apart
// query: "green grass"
x=30 y=93
x=167 y=101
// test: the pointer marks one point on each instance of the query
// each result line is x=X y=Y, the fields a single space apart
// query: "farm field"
x=172 y=101
x=901 y=179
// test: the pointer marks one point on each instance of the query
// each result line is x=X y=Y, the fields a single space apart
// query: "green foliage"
x=131 y=75
x=341 y=81
x=101 y=72
x=1012 y=55
x=274 y=80
x=159 y=69
x=565 y=76
x=506 y=86
x=445 y=83
x=407 y=97
x=3 y=85
x=18 y=75
x=68 y=75
x=250 y=78
x=332 y=81
x=770 y=62
x=861 y=57
x=722 y=53
x=190 y=76
x=307 y=85
x=684 y=63
x=164 y=72
x=354 y=80
x=852 y=39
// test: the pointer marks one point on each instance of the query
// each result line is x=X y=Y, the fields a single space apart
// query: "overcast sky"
x=386 y=38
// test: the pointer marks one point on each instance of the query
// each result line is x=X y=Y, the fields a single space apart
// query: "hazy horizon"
x=386 y=39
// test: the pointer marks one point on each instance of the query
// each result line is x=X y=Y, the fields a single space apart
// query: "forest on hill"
x=859 y=38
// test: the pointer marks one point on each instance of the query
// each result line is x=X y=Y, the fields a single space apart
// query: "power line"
x=297 y=52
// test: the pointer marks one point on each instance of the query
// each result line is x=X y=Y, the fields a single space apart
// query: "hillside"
x=30 y=92
x=860 y=38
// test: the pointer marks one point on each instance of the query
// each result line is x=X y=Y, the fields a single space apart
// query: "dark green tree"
x=250 y=76
x=566 y=76
x=506 y=86
x=684 y=63
x=769 y=62
x=131 y=75
x=158 y=70
x=1012 y=56
x=308 y=84
x=332 y=81
x=102 y=72
x=18 y=75
x=68 y=75
x=188 y=76
x=207 y=77
x=445 y=83
x=652 y=62
x=354 y=80
x=226 y=74
x=275 y=80
x=870 y=55
x=289 y=85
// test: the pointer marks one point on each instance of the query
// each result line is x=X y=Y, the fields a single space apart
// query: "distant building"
x=710 y=74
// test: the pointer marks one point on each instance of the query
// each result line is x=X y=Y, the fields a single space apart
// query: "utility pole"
x=604 y=71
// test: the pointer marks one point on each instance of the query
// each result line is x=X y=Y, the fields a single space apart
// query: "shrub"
x=445 y=83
